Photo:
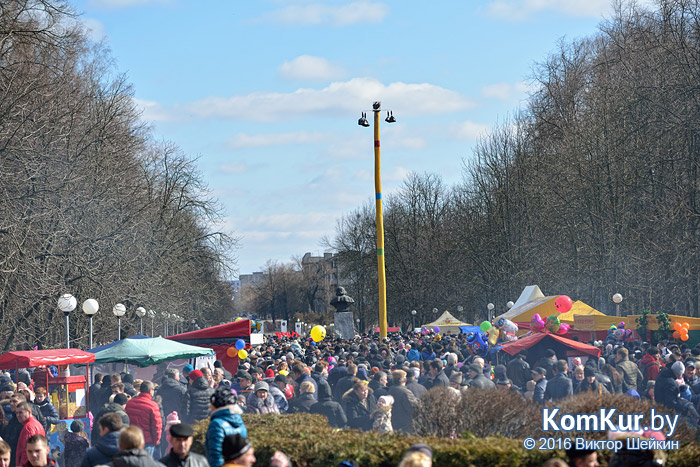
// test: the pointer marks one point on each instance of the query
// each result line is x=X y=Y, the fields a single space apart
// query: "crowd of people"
x=367 y=384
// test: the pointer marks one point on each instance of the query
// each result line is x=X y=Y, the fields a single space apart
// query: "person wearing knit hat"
x=666 y=390
x=238 y=451
x=195 y=374
x=224 y=420
x=196 y=400
x=260 y=400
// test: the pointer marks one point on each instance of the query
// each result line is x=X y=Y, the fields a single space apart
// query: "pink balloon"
x=563 y=328
x=563 y=303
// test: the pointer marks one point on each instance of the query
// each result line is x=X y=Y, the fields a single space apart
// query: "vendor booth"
x=536 y=345
x=447 y=324
x=221 y=338
x=149 y=351
x=69 y=394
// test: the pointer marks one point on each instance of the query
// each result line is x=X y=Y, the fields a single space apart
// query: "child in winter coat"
x=172 y=419
x=381 y=415
x=530 y=390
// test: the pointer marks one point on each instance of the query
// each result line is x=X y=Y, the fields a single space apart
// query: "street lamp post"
x=90 y=307
x=141 y=312
x=67 y=303
x=152 y=315
x=381 y=272
x=490 y=307
x=413 y=319
x=617 y=298
x=166 y=316
x=358 y=325
x=119 y=310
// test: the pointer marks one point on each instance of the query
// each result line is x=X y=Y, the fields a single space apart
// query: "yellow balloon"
x=493 y=336
x=242 y=354
x=318 y=333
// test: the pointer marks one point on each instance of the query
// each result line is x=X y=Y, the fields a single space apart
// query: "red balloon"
x=676 y=334
x=563 y=303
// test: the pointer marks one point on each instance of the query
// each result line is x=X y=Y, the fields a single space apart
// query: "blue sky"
x=267 y=93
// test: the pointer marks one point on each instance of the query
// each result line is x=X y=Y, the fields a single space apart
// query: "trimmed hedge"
x=310 y=442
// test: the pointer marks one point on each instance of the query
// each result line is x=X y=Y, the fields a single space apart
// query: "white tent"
x=447 y=323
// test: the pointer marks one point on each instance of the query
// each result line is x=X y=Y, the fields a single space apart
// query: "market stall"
x=149 y=351
x=446 y=324
x=536 y=345
x=69 y=394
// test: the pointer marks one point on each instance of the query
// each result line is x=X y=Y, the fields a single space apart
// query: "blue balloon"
x=240 y=344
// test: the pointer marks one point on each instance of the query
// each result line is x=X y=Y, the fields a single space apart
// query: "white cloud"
x=244 y=140
x=358 y=12
x=506 y=91
x=468 y=130
x=124 y=3
x=95 y=29
x=234 y=168
x=152 y=111
x=516 y=10
x=307 y=67
x=338 y=98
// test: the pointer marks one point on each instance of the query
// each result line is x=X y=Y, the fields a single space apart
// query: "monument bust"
x=342 y=301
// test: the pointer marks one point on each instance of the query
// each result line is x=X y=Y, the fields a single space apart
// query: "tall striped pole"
x=381 y=274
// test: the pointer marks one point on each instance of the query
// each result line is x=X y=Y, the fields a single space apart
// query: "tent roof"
x=550 y=340
x=221 y=334
x=112 y=344
x=545 y=307
x=446 y=319
x=146 y=352
x=33 y=358
x=529 y=293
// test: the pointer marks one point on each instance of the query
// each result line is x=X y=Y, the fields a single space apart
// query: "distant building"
x=251 y=279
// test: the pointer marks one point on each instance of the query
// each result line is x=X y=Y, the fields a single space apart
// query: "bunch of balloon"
x=490 y=332
x=477 y=342
x=681 y=331
x=318 y=333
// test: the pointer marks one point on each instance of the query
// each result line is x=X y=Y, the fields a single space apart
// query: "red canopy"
x=219 y=338
x=545 y=340
x=33 y=358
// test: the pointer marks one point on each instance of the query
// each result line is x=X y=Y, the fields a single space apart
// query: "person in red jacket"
x=30 y=427
x=651 y=364
x=144 y=413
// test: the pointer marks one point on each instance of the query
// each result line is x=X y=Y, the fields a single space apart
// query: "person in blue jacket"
x=224 y=419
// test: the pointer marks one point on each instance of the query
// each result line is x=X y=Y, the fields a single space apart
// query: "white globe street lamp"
x=67 y=303
x=490 y=307
x=90 y=307
x=119 y=310
x=141 y=312
x=510 y=305
x=617 y=298
x=413 y=319
x=152 y=315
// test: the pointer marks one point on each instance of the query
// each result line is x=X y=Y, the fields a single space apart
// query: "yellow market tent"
x=447 y=323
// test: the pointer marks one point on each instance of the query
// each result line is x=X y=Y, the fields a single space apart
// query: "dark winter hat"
x=424 y=448
x=77 y=426
x=181 y=430
x=235 y=446
x=281 y=378
x=195 y=374
x=475 y=367
x=549 y=353
x=218 y=364
x=121 y=399
x=262 y=385
x=222 y=396
x=539 y=371
x=128 y=378
x=588 y=371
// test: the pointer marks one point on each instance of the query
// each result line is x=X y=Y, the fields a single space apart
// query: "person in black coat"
x=548 y=362
x=95 y=394
x=378 y=384
x=560 y=386
x=666 y=390
x=128 y=380
x=437 y=377
x=196 y=402
x=332 y=410
x=305 y=399
x=518 y=370
x=118 y=407
x=359 y=402
x=171 y=391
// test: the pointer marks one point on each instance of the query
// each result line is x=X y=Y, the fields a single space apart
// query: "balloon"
x=510 y=327
x=242 y=354
x=318 y=333
x=613 y=327
x=563 y=328
x=677 y=326
x=231 y=352
x=685 y=325
x=684 y=337
x=240 y=344
x=485 y=326
x=237 y=319
x=537 y=323
x=477 y=343
x=676 y=334
x=553 y=323
x=619 y=334
x=500 y=322
x=436 y=329
x=493 y=336
x=510 y=337
x=628 y=332
x=563 y=303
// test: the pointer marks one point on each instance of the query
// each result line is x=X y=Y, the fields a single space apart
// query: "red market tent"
x=537 y=343
x=34 y=358
x=219 y=338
